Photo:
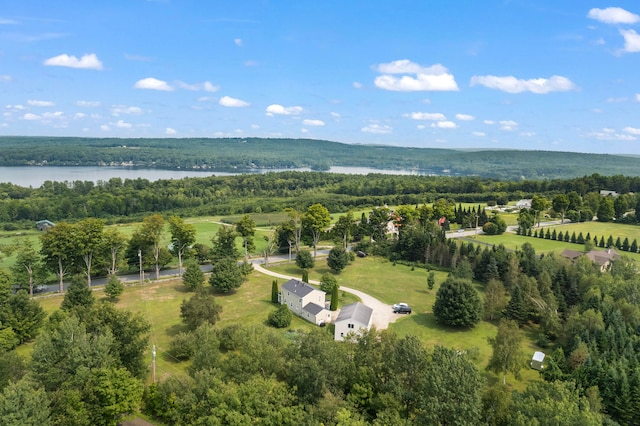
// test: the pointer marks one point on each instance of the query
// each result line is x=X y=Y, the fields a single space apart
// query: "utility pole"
x=153 y=364
x=141 y=270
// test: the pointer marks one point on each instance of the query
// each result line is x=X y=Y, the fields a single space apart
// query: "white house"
x=353 y=318
x=525 y=203
x=305 y=301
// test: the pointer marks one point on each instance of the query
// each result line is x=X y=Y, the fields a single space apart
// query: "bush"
x=305 y=260
x=337 y=259
x=280 y=318
x=182 y=346
x=200 y=309
x=327 y=282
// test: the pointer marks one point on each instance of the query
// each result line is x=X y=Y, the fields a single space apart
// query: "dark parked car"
x=361 y=254
x=40 y=288
x=401 y=308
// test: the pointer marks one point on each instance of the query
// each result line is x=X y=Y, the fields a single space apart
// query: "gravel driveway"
x=382 y=313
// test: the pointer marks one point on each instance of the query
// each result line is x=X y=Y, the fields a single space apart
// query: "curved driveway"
x=382 y=313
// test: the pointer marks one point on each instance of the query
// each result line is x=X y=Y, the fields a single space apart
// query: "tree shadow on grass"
x=176 y=329
x=427 y=319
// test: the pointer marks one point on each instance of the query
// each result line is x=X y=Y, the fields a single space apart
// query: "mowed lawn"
x=399 y=283
x=541 y=245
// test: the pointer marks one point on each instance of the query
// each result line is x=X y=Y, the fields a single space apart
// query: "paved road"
x=382 y=313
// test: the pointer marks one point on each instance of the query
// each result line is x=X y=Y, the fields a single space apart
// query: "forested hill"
x=239 y=154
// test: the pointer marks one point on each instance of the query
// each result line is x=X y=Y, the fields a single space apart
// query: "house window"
x=300 y=300
x=341 y=334
x=350 y=326
x=291 y=304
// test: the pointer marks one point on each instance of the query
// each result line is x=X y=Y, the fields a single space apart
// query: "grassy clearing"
x=394 y=283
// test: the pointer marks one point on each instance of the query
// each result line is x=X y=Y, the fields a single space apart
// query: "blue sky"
x=543 y=75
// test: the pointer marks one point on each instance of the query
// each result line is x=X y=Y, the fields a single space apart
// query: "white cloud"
x=631 y=41
x=613 y=15
x=631 y=130
x=608 y=135
x=434 y=116
x=31 y=117
x=638 y=97
x=37 y=103
x=508 y=125
x=489 y=122
x=303 y=130
x=117 y=110
x=4 y=21
x=377 y=129
x=479 y=134
x=238 y=41
x=122 y=124
x=151 y=83
x=276 y=109
x=309 y=122
x=465 y=117
x=337 y=116
x=511 y=84
x=52 y=115
x=528 y=134
x=206 y=86
x=79 y=115
x=444 y=125
x=227 y=101
x=91 y=104
x=90 y=61
x=422 y=82
x=105 y=128
x=421 y=127
x=5 y=78
x=433 y=78
x=357 y=85
x=616 y=100
x=170 y=131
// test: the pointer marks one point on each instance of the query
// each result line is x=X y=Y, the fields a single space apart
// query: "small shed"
x=537 y=362
x=43 y=225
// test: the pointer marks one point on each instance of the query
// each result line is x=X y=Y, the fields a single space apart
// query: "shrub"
x=457 y=304
x=280 y=318
x=114 y=287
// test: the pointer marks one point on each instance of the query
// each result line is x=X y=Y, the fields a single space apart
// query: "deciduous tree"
x=226 y=275
x=560 y=203
x=337 y=259
x=507 y=356
x=304 y=259
x=316 y=220
x=183 y=235
x=201 y=308
x=246 y=227
x=56 y=247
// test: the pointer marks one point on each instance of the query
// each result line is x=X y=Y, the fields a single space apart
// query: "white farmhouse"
x=305 y=301
x=353 y=318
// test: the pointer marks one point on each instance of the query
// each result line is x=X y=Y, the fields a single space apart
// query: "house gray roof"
x=297 y=287
x=313 y=308
x=356 y=312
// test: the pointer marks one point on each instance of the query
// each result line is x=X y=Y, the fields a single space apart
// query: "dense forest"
x=127 y=200
x=234 y=154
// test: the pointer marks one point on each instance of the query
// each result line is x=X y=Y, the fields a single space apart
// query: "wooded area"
x=245 y=154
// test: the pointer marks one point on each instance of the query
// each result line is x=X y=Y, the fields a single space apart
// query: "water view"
x=36 y=176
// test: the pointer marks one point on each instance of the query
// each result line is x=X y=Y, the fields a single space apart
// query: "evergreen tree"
x=78 y=296
x=547 y=235
x=634 y=246
x=609 y=241
x=581 y=239
x=431 y=280
x=555 y=236
x=625 y=244
x=516 y=308
x=334 y=298
x=337 y=259
x=305 y=276
x=573 y=238
x=618 y=243
x=601 y=243
x=457 y=303
x=274 y=291
x=193 y=277
x=114 y=287
x=226 y=275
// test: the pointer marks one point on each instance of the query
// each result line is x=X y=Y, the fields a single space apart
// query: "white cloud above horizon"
x=89 y=61
x=433 y=116
x=38 y=103
x=311 y=122
x=151 y=83
x=631 y=41
x=89 y=104
x=422 y=79
x=277 y=109
x=511 y=84
x=613 y=15
x=170 y=131
x=227 y=101
x=378 y=129
x=444 y=125
x=465 y=117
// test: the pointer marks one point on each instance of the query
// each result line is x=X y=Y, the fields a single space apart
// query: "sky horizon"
x=512 y=74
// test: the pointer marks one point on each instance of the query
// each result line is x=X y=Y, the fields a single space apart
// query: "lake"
x=35 y=176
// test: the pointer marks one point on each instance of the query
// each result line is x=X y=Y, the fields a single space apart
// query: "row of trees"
x=126 y=200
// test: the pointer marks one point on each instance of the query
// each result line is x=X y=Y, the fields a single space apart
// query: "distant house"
x=603 y=258
x=305 y=301
x=525 y=203
x=353 y=318
x=43 y=225
x=537 y=361
x=607 y=193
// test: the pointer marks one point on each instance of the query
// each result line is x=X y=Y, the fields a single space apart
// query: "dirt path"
x=382 y=313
